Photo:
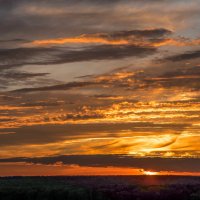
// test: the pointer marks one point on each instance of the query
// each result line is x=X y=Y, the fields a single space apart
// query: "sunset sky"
x=99 y=87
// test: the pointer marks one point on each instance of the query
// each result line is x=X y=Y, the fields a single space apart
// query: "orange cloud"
x=133 y=40
x=81 y=39
x=178 y=42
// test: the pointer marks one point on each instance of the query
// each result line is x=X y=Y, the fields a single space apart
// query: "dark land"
x=100 y=188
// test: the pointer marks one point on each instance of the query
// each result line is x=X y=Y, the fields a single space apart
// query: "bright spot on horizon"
x=150 y=173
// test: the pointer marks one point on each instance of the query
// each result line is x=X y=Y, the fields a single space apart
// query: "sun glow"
x=150 y=173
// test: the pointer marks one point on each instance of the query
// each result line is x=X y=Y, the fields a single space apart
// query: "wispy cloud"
x=50 y=56
x=149 y=37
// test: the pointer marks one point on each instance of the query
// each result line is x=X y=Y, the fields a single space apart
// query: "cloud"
x=66 y=86
x=48 y=56
x=149 y=37
x=147 y=109
x=187 y=77
x=41 y=19
x=184 y=77
x=154 y=164
x=11 y=78
x=21 y=56
x=86 y=124
x=21 y=75
x=184 y=56
x=50 y=133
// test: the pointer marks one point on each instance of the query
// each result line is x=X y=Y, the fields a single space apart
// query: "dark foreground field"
x=100 y=188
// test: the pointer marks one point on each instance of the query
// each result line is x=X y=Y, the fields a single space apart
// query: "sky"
x=99 y=87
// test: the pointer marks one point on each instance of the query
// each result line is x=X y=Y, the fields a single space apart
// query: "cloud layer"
x=107 y=83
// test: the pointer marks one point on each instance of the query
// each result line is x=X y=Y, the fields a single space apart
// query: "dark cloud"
x=182 y=77
x=14 y=77
x=149 y=33
x=184 y=56
x=47 y=56
x=182 y=72
x=21 y=75
x=43 y=134
x=22 y=56
x=10 y=78
x=149 y=163
x=106 y=52
x=17 y=40
x=11 y=3
x=46 y=19
x=66 y=86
